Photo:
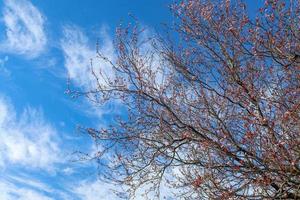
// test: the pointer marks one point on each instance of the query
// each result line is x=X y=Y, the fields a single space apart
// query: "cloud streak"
x=78 y=55
x=96 y=190
x=27 y=140
x=9 y=191
x=24 y=29
x=30 y=143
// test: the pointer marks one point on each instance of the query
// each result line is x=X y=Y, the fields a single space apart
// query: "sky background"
x=42 y=43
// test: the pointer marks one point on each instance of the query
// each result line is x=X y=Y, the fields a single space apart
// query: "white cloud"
x=24 y=29
x=96 y=190
x=3 y=70
x=27 y=140
x=156 y=65
x=22 y=186
x=29 y=182
x=3 y=61
x=9 y=191
x=78 y=54
x=68 y=171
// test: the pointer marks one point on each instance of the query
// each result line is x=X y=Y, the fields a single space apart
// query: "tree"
x=212 y=104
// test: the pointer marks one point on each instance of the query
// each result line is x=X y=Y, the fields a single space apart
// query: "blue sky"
x=42 y=42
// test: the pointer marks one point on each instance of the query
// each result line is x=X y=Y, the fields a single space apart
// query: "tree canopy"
x=211 y=105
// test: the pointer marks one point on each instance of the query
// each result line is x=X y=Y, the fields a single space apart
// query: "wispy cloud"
x=3 y=61
x=24 y=29
x=81 y=57
x=9 y=191
x=96 y=190
x=79 y=53
x=26 y=182
x=30 y=143
x=3 y=70
x=27 y=140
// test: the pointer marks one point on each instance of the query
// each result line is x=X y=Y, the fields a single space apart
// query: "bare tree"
x=212 y=106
